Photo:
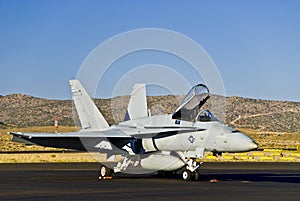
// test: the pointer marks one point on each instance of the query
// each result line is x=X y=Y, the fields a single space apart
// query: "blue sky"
x=254 y=44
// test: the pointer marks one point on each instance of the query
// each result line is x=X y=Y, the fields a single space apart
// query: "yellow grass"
x=46 y=129
x=274 y=140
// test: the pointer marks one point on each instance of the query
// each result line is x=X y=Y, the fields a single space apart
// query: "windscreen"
x=206 y=116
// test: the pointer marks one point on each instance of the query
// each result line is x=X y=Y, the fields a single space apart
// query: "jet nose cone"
x=241 y=142
x=253 y=145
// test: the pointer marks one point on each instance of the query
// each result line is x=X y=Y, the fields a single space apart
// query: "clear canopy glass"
x=192 y=102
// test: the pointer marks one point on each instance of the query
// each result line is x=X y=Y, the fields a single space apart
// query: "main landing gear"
x=189 y=173
x=105 y=172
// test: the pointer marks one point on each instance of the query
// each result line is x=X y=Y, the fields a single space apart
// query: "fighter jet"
x=164 y=143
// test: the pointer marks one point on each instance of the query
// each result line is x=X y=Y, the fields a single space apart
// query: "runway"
x=78 y=181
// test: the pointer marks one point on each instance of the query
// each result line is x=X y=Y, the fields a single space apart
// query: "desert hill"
x=19 y=110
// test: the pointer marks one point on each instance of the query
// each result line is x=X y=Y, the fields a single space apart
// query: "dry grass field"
x=274 y=140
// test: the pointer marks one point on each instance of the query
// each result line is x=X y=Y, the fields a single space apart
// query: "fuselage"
x=178 y=135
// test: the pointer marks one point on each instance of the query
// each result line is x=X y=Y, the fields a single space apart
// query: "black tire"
x=196 y=176
x=104 y=172
x=186 y=175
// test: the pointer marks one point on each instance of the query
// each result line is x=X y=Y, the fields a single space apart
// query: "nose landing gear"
x=191 y=171
x=187 y=175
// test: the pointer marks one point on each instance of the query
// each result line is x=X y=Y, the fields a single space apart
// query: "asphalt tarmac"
x=78 y=181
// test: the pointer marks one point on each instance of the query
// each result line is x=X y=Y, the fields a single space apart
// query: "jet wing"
x=88 y=140
x=83 y=141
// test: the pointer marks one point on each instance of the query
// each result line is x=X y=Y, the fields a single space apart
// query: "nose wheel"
x=187 y=175
x=196 y=176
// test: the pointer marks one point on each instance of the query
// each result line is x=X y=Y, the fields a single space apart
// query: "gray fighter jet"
x=164 y=143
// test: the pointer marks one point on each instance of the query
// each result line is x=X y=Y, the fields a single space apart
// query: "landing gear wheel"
x=196 y=176
x=186 y=175
x=105 y=172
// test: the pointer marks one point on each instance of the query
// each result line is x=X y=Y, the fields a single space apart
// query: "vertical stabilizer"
x=137 y=106
x=89 y=115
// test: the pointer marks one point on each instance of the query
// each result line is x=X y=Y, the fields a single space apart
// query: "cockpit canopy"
x=192 y=102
